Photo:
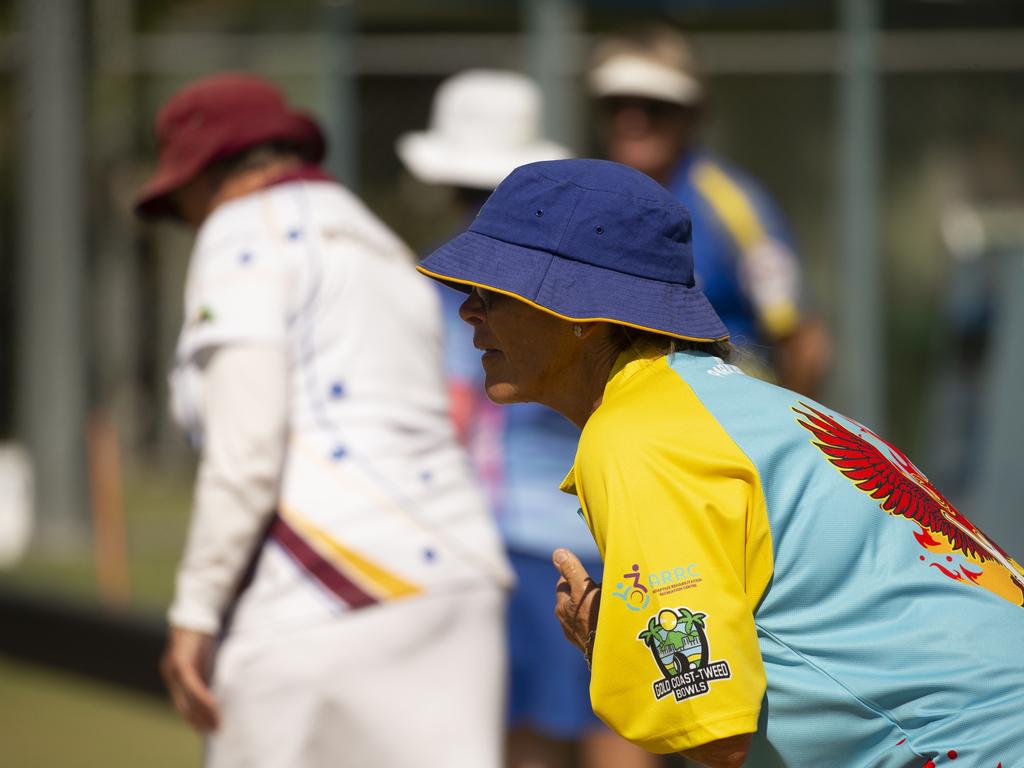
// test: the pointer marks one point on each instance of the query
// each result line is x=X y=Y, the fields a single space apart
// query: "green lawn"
x=51 y=720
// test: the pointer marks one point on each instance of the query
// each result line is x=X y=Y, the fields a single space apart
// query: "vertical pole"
x=52 y=381
x=859 y=364
x=340 y=96
x=114 y=276
x=114 y=281
x=999 y=489
x=553 y=56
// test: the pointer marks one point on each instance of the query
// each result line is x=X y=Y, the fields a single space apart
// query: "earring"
x=577 y=331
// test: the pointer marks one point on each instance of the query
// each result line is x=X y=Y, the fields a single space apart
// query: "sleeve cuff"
x=195 y=608
x=194 y=618
x=702 y=733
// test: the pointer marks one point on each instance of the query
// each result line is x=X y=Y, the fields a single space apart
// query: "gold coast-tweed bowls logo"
x=678 y=642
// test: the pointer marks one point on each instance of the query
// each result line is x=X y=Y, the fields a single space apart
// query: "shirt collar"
x=301 y=173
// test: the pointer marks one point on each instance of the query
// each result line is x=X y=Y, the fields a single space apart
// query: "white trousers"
x=417 y=682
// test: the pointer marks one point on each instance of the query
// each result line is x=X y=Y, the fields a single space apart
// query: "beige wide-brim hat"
x=483 y=124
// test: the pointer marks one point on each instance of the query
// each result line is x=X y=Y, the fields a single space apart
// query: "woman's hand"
x=185 y=668
x=577 y=601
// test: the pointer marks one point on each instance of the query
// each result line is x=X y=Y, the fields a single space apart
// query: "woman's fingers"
x=564 y=610
x=202 y=707
x=576 y=600
x=570 y=567
x=183 y=668
x=175 y=689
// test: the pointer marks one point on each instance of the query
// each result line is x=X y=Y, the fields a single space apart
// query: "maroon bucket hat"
x=214 y=118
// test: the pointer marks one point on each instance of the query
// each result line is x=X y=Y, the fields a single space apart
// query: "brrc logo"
x=634 y=595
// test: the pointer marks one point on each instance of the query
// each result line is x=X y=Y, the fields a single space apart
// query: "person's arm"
x=245 y=417
x=678 y=516
x=802 y=358
x=801 y=347
x=774 y=282
x=771 y=277
x=577 y=603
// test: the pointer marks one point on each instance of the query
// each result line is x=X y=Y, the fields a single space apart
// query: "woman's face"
x=647 y=134
x=526 y=351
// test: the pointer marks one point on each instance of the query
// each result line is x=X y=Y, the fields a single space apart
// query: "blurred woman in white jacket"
x=338 y=547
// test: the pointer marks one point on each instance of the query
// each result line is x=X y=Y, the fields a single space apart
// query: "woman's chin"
x=503 y=393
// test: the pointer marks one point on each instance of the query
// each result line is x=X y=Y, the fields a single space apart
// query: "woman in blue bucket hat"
x=779 y=581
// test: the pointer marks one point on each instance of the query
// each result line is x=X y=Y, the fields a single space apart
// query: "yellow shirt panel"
x=678 y=514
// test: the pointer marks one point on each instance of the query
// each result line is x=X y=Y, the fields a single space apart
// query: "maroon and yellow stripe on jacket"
x=353 y=578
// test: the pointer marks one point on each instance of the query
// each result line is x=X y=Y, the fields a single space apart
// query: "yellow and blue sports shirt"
x=773 y=566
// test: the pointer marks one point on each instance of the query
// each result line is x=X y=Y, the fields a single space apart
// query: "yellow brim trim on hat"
x=447 y=279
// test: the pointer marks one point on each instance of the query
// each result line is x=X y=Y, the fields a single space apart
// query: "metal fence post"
x=52 y=249
x=340 y=92
x=552 y=59
x=859 y=358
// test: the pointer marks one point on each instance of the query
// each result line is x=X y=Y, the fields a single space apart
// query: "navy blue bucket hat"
x=584 y=240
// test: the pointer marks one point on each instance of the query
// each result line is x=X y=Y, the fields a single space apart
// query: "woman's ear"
x=594 y=330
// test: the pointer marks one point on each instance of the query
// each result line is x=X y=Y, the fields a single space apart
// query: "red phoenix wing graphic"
x=874 y=473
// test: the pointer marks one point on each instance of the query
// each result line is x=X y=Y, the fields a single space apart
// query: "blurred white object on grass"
x=16 y=503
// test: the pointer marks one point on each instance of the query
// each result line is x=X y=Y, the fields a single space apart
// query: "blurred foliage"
x=7 y=15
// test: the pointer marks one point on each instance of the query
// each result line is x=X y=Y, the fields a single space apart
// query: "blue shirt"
x=743 y=254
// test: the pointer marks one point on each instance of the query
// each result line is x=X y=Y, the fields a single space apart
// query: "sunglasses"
x=653 y=108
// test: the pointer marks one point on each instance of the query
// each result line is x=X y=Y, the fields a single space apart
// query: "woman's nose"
x=472 y=309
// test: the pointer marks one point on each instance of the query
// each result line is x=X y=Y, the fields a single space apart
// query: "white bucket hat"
x=483 y=124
